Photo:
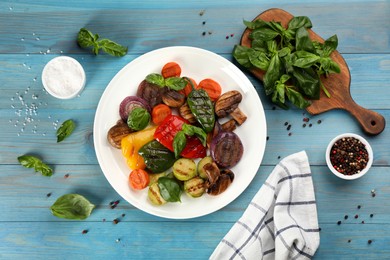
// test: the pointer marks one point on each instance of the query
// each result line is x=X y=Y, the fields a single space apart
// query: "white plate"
x=197 y=64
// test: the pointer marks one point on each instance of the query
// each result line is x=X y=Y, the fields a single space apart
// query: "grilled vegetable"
x=129 y=103
x=150 y=92
x=201 y=164
x=195 y=187
x=117 y=133
x=226 y=149
x=154 y=195
x=184 y=169
x=222 y=183
x=202 y=108
x=157 y=157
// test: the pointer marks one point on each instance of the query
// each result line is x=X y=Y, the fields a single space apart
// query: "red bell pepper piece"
x=166 y=131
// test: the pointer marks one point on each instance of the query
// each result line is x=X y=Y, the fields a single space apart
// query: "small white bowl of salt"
x=63 y=77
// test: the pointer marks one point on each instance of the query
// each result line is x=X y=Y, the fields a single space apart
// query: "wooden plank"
x=21 y=76
x=131 y=26
x=171 y=240
x=25 y=196
x=39 y=136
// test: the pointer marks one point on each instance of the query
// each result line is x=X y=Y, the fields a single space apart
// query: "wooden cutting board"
x=338 y=85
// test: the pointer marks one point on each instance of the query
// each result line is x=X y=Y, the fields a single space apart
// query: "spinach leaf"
x=138 y=119
x=72 y=206
x=157 y=157
x=170 y=190
x=30 y=161
x=86 y=39
x=65 y=130
x=179 y=142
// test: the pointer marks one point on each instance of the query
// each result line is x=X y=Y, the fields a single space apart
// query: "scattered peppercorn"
x=202 y=12
x=279 y=157
x=288 y=127
x=123 y=215
x=346 y=217
x=115 y=221
x=104 y=220
x=359 y=206
x=339 y=222
x=319 y=229
x=227 y=36
x=348 y=156
x=356 y=216
x=267 y=138
x=231 y=35
x=66 y=175
x=349 y=240
x=118 y=240
x=371 y=215
x=203 y=33
x=369 y=241
x=204 y=22
x=319 y=121
x=289 y=134
x=285 y=123
x=48 y=195
x=373 y=193
x=85 y=231
x=310 y=125
x=363 y=222
x=306 y=119
x=304 y=125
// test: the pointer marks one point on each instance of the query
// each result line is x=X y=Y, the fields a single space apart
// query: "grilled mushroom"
x=117 y=132
x=222 y=183
x=227 y=104
x=173 y=98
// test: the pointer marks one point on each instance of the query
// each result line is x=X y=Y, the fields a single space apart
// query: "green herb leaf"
x=305 y=59
x=274 y=72
x=175 y=83
x=179 y=142
x=256 y=24
x=258 y=59
x=113 y=48
x=264 y=34
x=330 y=45
x=156 y=78
x=191 y=130
x=296 y=98
x=138 y=119
x=241 y=54
x=170 y=190
x=65 y=130
x=87 y=39
x=72 y=206
x=298 y=22
x=30 y=161
x=303 y=41
x=308 y=81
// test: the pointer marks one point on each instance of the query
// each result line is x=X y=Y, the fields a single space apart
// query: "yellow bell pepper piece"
x=131 y=145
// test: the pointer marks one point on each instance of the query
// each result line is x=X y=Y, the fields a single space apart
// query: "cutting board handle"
x=372 y=122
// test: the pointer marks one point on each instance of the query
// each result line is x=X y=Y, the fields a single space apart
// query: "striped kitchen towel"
x=281 y=221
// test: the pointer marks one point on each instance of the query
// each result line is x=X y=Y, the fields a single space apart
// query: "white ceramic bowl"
x=356 y=175
x=63 y=77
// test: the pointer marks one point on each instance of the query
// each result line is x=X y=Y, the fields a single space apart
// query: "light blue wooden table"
x=33 y=32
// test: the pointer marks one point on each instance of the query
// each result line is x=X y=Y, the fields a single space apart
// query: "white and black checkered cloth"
x=281 y=221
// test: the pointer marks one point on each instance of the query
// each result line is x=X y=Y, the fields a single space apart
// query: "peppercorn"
x=115 y=221
x=369 y=241
x=346 y=217
x=356 y=216
x=85 y=231
x=338 y=222
x=359 y=206
x=371 y=215
x=349 y=156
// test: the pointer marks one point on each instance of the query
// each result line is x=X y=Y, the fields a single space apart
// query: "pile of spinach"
x=293 y=62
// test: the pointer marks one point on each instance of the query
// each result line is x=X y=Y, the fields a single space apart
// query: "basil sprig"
x=175 y=83
x=292 y=61
x=65 y=130
x=170 y=190
x=72 y=206
x=180 y=141
x=138 y=119
x=87 y=39
x=30 y=161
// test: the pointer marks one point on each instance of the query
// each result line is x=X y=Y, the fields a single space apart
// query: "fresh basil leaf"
x=191 y=130
x=259 y=59
x=113 y=48
x=296 y=98
x=170 y=190
x=284 y=52
x=259 y=45
x=72 y=206
x=272 y=47
x=277 y=27
x=256 y=24
x=179 y=142
x=30 y=161
x=138 y=119
x=175 y=83
x=330 y=45
x=156 y=78
x=308 y=81
x=305 y=59
x=241 y=55
x=334 y=67
x=298 y=22
x=157 y=157
x=65 y=130
x=303 y=41
x=85 y=38
x=274 y=72
x=264 y=34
